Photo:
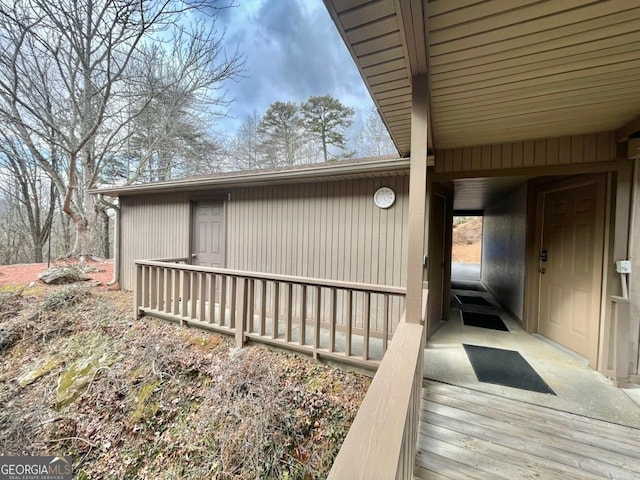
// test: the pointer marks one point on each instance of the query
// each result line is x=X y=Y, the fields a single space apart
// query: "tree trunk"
x=104 y=237
x=324 y=147
x=82 y=244
x=37 y=253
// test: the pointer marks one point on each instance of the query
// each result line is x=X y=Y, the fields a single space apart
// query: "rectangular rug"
x=483 y=320
x=476 y=287
x=469 y=300
x=505 y=367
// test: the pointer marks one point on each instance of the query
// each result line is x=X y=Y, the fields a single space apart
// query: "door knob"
x=194 y=255
x=542 y=270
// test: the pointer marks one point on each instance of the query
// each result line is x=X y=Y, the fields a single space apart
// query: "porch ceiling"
x=498 y=70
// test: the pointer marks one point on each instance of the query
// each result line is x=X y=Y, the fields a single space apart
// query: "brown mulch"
x=465 y=253
x=27 y=273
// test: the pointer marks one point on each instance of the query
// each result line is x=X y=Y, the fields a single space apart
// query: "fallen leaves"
x=173 y=402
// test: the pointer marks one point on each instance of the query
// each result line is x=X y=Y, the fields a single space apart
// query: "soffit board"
x=498 y=70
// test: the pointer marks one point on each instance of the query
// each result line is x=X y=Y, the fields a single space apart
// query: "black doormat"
x=467 y=286
x=505 y=367
x=483 y=320
x=469 y=300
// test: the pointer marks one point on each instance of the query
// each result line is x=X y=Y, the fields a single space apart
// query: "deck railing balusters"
x=210 y=298
x=385 y=324
x=223 y=299
x=333 y=319
x=193 y=295
x=347 y=348
x=251 y=304
x=180 y=292
x=160 y=287
x=175 y=308
x=145 y=286
x=316 y=336
x=263 y=307
x=275 y=309
x=303 y=314
x=153 y=287
x=289 y=307
x=184 y=301
x=367 y=325
x=202 y=296
x=232 y=304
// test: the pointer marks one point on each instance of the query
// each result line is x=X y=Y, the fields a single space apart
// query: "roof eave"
x=244 y=179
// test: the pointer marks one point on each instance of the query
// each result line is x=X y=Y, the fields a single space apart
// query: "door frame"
x=445 y=191
x=537 y=190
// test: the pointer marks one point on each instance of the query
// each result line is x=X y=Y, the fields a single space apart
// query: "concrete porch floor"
x=579 y=389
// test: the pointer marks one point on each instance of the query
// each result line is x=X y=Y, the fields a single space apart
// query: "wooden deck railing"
x=381 y=443
x=344 y=321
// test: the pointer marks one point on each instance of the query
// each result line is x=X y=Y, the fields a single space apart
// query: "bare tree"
x=14 y=240
x=177 y=100
x=30 y=192
x=64 y=83
x=374 y=141
x=245 y=150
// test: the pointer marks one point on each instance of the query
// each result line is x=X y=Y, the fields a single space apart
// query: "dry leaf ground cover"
x=467 y=241
x=147 y=399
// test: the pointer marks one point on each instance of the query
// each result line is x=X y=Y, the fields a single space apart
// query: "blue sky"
x=292 y=50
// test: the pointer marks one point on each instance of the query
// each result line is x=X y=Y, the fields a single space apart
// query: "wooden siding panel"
x=466 y=159
x=553 y=146
x=527 y=154
x=486 y=157
x=517 y=158
x=507 y=152
x=327 y=230
x=496 y=156
x=540 y=153
x=152 y=226
x=565 y=150
x=589 y=151
x=576 y=149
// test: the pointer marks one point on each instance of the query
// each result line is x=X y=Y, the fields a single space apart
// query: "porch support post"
x=634 y=277
x=418 y=225
x=624 y=336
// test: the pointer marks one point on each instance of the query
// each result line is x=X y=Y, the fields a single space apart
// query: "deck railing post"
x=619 y=340
x=137 y=292
x=240 y=311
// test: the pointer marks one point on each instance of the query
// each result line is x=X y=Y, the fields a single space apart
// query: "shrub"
x=64 y=297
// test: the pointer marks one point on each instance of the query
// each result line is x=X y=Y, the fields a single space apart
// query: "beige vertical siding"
x=152 y=226
x=328 y=230
x=576 y=149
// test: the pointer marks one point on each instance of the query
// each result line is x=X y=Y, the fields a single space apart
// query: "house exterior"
x=528 y=112
x=315 y=221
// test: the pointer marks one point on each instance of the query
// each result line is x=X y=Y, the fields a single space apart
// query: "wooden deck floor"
x=465 y=434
